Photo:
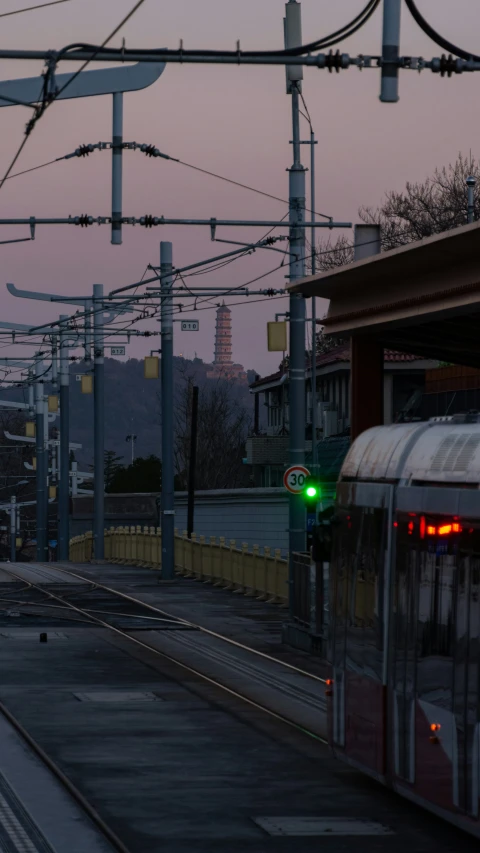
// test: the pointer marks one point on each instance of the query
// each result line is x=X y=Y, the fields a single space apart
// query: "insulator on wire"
x=84 y=220
x=149 y=221
x=448 y=65
x=334 y=61
x=84 y=150
x=149 y=150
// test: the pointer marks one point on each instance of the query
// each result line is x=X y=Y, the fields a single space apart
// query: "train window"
x=342 y=555
x=363 y=595
x=432 y=560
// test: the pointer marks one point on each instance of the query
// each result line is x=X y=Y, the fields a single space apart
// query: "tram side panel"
x=434 y=719
x=357 y=731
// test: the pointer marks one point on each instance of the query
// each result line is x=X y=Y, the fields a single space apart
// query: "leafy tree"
x=111 y=466
x=143 y=475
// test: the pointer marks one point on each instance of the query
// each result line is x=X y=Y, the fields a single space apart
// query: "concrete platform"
x=37 y=815
x=173 y=763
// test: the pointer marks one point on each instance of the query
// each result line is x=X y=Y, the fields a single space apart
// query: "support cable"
x=436 y=37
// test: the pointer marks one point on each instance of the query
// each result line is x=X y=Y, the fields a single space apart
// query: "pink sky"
x=235 y=121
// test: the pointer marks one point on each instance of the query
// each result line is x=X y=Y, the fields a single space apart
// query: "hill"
x=132 y=405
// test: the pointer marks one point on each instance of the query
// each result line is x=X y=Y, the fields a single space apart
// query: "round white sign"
x=294 y=478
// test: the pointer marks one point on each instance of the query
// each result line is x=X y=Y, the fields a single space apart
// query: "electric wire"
x=243 y=186
x=436 y=37
x=48 y=99
x=34 y=168
x=196 y=169
x=326 y=41
x=33 y=8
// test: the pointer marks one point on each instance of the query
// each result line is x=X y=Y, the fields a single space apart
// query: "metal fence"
x=257 y=573
x=310 y=594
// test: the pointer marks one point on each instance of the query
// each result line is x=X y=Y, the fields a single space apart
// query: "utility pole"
x=98 y=425
x=13 y=529
x=117 y=158
x=64 y=484
x=192 y=462
x=168 y=511
x=314 y=305
x=41 y=482
x=297 y=531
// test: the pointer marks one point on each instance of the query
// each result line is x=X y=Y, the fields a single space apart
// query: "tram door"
x=466 y=677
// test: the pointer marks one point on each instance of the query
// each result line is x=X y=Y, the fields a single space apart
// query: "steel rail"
x=125 y=635
x=190 y=624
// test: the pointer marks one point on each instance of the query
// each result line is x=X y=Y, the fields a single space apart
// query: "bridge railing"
x=256 y=573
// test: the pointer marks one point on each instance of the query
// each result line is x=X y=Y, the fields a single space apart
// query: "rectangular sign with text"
x=117 y=350
x=190 y=325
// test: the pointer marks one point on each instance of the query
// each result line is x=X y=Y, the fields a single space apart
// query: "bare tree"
x=223 y=424
x=422 y=209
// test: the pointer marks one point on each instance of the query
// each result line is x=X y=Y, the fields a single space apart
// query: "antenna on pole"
x=292 y=26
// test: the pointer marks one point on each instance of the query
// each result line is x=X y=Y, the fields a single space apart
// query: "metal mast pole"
x=192 y=462
x=41 y=480
x=390 y=51
x=471 y=182
x=98 y=425
x=46 y=464
x=117 y=161
x=13 y=529
x=64 y=484
x=297 y=526
x=168 y=511
x=314 y=304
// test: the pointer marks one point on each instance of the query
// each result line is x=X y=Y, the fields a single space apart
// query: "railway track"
x=247 y=674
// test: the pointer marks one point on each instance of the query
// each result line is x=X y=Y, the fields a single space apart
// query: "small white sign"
x=78 y=377
x=294 y=479
x=117 y=350
x=190 y=325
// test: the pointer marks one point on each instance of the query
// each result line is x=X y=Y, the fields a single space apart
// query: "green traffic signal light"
x=312 y=491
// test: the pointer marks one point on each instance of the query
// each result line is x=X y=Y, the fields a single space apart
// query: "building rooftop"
x=337 y=354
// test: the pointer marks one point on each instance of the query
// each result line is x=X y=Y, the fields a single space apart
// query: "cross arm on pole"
x=45 y=297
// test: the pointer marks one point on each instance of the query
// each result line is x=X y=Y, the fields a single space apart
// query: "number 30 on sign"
x=294 y=479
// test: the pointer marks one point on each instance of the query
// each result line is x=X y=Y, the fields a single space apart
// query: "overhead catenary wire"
x=326 y=41
x=48 y=98
x=32 y=8
x=196 y=169
x=436 y=37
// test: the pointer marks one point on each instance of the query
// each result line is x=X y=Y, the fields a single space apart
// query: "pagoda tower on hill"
x=223 y=364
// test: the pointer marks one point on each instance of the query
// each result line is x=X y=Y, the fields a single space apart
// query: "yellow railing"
x=256 y=573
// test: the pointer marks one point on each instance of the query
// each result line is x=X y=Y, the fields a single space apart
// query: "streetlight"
x=132 y=438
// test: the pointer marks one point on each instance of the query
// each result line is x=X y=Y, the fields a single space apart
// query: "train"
x=404 y=627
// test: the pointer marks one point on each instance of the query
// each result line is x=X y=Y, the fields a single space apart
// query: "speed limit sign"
x=294 y=478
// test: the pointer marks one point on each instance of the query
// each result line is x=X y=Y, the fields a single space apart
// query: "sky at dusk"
x=231 y=120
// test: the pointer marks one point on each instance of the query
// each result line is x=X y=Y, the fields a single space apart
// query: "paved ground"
x=171 y=762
